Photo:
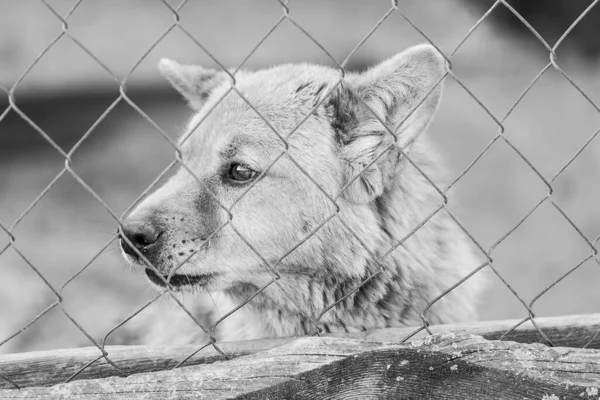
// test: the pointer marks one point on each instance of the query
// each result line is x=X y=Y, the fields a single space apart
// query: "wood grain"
x=443 y=366
x=49 y=368
x=567 y=331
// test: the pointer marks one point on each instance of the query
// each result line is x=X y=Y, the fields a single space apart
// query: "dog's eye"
x=241 y=173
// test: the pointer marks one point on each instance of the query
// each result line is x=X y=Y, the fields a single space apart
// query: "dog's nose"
x=142 y=234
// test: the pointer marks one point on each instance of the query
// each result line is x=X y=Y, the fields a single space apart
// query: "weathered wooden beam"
x=443 y=366
x=567 y=331
x=49 y=368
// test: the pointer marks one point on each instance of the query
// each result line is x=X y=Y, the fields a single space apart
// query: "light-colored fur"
x=379 y=207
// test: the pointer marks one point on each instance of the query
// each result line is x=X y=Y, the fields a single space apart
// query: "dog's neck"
x=298 y=304
x=302 y=306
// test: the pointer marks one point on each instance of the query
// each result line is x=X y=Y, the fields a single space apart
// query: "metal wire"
x=288 y=15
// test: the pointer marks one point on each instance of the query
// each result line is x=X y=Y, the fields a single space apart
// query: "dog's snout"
x=142 y=234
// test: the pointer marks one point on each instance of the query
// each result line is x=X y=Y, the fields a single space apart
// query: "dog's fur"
x=288 y=202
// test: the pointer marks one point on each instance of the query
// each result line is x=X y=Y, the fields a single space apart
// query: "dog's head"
x=277 y=160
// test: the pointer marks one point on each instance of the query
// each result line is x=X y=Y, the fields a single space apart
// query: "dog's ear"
x=193 y=82
x=387 y=92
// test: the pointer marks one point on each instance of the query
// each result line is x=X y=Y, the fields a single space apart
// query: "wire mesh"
x=287 y=14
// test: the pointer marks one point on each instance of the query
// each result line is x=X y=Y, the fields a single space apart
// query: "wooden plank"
x=567 y=331
x=49 y=368
x=443 y=366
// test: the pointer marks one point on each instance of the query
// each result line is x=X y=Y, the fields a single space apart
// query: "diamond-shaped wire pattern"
x=287 y=14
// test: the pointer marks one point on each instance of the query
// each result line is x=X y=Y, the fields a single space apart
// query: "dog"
x=304 y=194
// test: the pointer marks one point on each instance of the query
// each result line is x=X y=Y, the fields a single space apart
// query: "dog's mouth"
x=179 y=280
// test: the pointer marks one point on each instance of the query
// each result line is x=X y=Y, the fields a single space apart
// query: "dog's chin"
x=180 y=282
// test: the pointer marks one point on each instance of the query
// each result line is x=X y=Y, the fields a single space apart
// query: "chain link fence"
x=287 y=14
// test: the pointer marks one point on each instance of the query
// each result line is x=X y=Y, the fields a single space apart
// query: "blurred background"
x=69 y=90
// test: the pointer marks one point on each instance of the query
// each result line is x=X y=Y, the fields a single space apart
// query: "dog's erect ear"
x=391 y=90
x=193 y=82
